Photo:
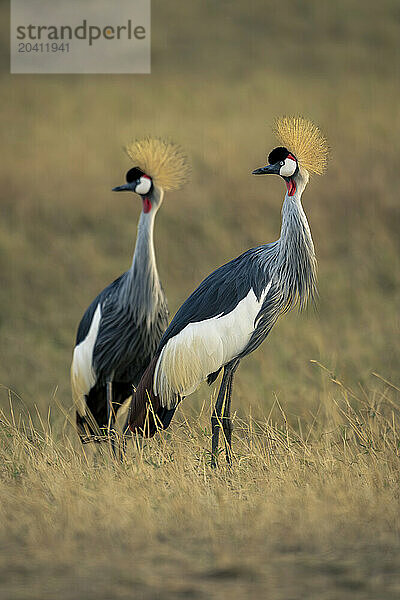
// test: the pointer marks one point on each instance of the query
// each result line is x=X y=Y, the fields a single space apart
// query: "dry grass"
x=311 y=507
x=64 y=235
x=310 y=511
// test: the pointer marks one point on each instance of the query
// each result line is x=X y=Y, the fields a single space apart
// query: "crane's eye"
x=282 y=163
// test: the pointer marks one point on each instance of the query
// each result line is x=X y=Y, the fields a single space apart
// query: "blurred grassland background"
x=220 y=75
x=221 y=72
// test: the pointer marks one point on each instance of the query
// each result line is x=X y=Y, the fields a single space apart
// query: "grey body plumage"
x=134 y=315
x=289 y=265
x=233 y=310
x=122 y=328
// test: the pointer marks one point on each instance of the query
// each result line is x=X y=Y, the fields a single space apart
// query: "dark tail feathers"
x=146 y=414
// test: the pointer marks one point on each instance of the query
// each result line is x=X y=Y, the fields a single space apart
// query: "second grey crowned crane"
x=121 y=329
x=233 y=310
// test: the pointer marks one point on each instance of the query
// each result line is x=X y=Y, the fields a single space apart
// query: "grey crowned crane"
x=121 y=329
x=233 y=310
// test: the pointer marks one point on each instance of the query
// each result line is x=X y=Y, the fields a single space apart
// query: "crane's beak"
x=268 y=170
x=127 y=187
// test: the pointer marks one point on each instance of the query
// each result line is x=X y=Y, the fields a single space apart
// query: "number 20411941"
x=44 y=47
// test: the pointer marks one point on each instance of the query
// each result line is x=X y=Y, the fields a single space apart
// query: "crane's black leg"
x=226 y=418
x=110 y=417
x=216 y=418
x=125 y=434
x=121 y=392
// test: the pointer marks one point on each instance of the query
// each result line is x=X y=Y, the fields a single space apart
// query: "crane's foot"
x=214 y=463
x=111 y=437
x=93 y=439
x=214 y=458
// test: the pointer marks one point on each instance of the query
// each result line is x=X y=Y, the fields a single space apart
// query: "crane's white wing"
x=82 y=374
x=203 y=347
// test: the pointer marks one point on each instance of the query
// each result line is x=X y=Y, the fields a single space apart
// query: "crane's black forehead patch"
x=133 y=174
x=278 y=154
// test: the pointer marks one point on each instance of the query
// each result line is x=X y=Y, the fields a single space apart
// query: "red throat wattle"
x=291 y=186
x=146 y=205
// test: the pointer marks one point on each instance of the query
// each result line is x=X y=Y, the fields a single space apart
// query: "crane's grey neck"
x=296 y=265
x=142 y=289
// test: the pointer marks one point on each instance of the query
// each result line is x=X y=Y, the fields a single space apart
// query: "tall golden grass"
x=306 y=511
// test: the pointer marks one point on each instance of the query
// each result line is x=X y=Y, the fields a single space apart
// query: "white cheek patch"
x=288 y=168
x=144 y=186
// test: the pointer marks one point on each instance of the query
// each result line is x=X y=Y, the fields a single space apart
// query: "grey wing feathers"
x=124 y=343
x=270 y=311
x=125 y=346
x=87 y=318
x=220 y=292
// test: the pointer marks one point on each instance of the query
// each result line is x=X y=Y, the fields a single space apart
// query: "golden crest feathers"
x=163 y=161
x=305 y=141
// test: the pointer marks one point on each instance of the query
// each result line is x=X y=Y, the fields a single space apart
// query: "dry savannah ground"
x=310 y=509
